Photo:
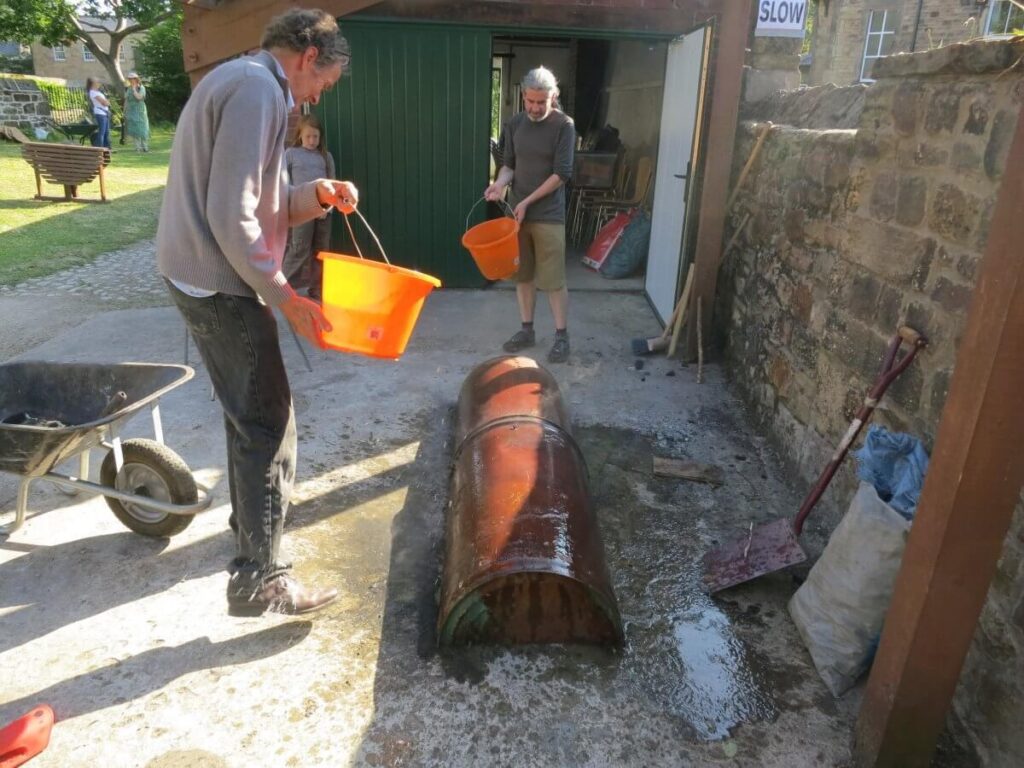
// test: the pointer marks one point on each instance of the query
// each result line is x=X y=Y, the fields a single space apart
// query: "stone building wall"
x=22 y=104
x=841 y=28
x=944 y=22
x=75 y=69
x=852 y=232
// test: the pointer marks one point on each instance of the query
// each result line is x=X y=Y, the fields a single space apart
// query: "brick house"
x=74 y=62
x=850 y=34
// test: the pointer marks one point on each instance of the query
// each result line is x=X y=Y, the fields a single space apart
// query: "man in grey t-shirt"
x=537 y=160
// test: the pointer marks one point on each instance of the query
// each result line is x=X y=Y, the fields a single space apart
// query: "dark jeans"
x=102 y=136
x=237 y=339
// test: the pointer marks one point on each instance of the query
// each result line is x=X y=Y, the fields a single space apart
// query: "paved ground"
x=40 y=308
x=128 y=640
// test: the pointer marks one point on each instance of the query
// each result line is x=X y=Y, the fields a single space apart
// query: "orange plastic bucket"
x=373 y=307
x=494 y=245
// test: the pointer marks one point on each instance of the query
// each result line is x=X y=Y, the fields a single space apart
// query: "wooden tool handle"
x=683 y=302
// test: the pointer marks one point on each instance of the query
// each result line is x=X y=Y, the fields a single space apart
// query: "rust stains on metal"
x=524 y=561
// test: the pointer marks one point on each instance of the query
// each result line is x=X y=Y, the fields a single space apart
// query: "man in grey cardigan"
x=220 y=242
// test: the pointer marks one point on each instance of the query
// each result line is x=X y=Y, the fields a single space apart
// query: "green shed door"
x=410 y=126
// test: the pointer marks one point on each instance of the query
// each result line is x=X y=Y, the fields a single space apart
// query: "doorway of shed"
x=614 y=91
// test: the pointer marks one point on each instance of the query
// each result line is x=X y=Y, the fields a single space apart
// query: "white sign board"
x=781 y=18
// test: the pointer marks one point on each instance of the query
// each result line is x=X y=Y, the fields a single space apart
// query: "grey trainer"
x=521 y=339
x=559 y=350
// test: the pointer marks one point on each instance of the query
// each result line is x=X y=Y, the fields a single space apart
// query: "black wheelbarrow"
x=52 y=412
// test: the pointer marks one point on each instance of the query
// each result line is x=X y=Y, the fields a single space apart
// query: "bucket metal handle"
x=369 y=229
x=501 y=200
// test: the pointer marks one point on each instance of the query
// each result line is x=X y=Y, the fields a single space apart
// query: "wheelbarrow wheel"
x=154 y=470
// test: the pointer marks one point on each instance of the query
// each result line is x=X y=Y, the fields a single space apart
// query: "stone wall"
x=850 y=233
x=841 y=27
x=22 y=104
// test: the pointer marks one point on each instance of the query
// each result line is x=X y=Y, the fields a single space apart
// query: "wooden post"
x=733 y=31
x=972 y=486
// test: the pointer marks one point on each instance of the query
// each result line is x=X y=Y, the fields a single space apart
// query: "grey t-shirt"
x=535 y=151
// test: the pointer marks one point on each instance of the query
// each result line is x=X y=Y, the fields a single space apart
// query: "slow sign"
x=781 y=18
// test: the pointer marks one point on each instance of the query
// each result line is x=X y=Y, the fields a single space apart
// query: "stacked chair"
x=593 y=211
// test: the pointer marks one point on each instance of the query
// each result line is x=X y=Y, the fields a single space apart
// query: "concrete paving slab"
x=128 y=639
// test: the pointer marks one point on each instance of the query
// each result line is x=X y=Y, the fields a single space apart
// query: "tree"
x=65 y=21
x=167 y=84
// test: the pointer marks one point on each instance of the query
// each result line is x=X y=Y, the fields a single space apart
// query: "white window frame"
x=87 y=54
x=990 y=16
x=878 y=38
x=59 y=54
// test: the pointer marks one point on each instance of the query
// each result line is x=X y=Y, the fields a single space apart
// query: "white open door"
x=685 y=75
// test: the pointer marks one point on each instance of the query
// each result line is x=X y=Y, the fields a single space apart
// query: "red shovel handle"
x=891 y=369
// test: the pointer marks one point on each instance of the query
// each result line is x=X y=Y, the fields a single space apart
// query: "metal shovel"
x=773 y=546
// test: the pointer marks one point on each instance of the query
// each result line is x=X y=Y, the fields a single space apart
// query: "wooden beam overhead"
x=622 y=16
x=973 y=483
x=215 y=30
x=208 y=5
x=211 y=35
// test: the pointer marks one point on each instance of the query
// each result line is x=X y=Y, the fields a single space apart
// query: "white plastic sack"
x=41 y=133
x=840 y=609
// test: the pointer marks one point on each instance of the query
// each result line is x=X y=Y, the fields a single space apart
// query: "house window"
x=87 y=54
x=59 y=54
x=881 y=36
x=122 y=53
x=1004 y=16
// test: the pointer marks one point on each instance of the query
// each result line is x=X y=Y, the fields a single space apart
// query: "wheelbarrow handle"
x=889 y=373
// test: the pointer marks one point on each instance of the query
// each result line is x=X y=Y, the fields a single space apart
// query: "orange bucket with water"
x=372 y=306
x=494 y=245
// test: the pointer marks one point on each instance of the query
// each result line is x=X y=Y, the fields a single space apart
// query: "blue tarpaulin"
x=895 y=464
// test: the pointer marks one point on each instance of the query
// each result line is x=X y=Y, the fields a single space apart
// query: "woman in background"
x=136 y=118
x=100 y=111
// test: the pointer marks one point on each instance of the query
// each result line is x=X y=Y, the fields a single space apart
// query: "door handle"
x=679 y=175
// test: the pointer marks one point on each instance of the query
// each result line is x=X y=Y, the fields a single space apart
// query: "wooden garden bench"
x=66 y=164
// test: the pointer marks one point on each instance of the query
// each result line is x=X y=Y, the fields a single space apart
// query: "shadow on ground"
x=75 y=236
x=156 y=668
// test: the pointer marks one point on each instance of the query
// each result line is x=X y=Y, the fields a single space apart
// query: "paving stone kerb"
x=853 y=231
x=116 y=280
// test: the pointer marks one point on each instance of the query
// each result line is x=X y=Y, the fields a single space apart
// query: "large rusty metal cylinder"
x=524 y=562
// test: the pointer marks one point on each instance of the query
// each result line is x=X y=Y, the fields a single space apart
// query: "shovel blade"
x=768 y=548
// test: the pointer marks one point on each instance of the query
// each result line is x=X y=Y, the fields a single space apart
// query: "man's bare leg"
x=526 y=296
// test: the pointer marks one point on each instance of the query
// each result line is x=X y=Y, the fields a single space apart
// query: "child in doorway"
x=307 y=160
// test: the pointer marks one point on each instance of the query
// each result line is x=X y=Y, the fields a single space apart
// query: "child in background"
x=307 y=160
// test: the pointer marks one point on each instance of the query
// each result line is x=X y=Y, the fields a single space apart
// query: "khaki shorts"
x=542 y=255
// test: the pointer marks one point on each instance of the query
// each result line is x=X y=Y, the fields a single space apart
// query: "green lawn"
x=39 y=237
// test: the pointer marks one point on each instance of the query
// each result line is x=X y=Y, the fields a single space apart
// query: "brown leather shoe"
x=279 y=594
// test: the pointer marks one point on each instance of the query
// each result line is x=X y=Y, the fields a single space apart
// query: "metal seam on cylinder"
x=515 y=419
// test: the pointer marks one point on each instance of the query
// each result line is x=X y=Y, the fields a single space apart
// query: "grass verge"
x=39 y=237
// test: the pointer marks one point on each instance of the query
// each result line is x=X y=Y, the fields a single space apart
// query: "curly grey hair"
x=540 y=79
x=300 y=28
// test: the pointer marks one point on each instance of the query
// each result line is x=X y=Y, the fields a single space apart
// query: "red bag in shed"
x=607 y=238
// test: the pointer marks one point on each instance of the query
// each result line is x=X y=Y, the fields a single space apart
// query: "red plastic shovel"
x=26 y=737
